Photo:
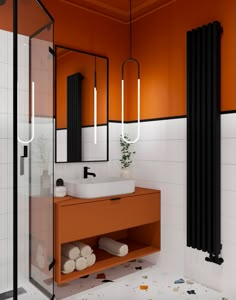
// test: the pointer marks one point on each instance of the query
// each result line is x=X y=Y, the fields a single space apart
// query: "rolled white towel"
x=71 y=251
x=67 y=265
x=41 y=256
x=113 y=247
x=91 y=259
x=80 y=263
x=85 y=250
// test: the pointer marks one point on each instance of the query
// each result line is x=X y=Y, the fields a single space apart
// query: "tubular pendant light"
x=95 y=103
x=130 y=59
x=32 y=118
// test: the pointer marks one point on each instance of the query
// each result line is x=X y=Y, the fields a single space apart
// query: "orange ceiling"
x=119 y=9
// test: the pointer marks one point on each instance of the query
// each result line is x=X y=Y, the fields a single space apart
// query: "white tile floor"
x=129 y=283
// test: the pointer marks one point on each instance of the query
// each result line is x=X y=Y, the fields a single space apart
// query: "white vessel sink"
x=99 y=187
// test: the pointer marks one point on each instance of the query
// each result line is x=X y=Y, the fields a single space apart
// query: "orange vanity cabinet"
x=131 y=218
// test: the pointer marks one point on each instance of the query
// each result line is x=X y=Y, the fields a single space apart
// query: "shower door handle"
x=22 y=160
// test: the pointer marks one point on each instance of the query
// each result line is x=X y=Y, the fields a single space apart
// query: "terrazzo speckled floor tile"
x=127 y=282
x=156 y=285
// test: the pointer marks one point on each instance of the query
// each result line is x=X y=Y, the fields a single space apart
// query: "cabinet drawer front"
x=96 y=218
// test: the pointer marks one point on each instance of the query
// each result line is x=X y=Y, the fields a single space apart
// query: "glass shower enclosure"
x=26 y=149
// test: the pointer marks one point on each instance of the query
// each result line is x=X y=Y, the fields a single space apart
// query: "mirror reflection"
x=81 y=106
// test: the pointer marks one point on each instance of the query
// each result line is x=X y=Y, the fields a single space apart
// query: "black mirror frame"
x=107 y=92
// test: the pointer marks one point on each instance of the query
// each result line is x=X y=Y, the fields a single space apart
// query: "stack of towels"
x=113 y=247
x=77 y=256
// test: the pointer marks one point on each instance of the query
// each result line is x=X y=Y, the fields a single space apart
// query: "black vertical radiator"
x=74 y=117
x=203 y=140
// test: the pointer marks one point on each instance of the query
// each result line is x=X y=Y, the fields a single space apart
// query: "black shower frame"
x=15 y=146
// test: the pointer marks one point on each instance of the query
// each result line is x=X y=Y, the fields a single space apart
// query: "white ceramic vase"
x=125 y=173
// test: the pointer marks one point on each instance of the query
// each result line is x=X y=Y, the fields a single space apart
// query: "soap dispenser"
x=60 y=189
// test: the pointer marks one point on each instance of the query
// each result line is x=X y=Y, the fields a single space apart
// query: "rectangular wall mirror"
x=81 y=106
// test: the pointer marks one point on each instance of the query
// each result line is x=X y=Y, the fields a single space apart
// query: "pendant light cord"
x=130 y=31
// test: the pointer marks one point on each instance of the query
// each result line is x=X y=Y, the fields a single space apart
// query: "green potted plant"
x=126 y=156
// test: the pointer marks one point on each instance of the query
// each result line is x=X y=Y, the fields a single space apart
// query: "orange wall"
x=74 y=62
x=80 y=29
x=159 y=43
x=160 y=46
x=31 y=17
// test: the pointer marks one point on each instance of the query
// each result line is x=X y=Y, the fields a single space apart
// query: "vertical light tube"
x=122 y=102
x=95 y=105
x=32 y=117
x=95 y=114
x=122 y=108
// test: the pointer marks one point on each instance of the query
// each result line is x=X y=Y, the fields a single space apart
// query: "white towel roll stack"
x=41 y=256
x=67 y=265
x=85 y=250
x=91 y=259
x=70 y=251
x=113 y=247
x=80 y=263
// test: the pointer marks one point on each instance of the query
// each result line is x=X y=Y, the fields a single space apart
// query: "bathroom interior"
x=81 y=82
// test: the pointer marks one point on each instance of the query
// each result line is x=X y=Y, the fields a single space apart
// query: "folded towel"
x=80 y=263
x=91 y=260
x=41 y=256
x=113 y=247
x=67 y=265
x=70 y=251
x=85 y=250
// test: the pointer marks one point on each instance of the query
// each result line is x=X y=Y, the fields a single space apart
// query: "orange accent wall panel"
x=83 y=30
x=160 y=46
x=159 y=43
x=31 y=17
x=73 y=62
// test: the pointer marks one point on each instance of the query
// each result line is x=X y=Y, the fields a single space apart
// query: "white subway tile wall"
x=61 y=145
x=160 y=163
x=90 y=151
x=5 y=138
x=6 y=161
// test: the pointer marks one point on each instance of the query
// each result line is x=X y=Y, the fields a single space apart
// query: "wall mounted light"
x=130 y=59
x=95 y=102
x=32 y=117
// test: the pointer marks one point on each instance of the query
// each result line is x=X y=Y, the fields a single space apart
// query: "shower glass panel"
x=35 y=146
x=42 y=161
x=26 y=148
x=6 y=142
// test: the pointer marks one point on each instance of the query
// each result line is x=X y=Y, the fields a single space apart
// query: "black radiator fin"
x=74 y=117
x=203 y=138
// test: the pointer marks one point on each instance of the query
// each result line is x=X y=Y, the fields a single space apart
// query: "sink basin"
x=99 y=187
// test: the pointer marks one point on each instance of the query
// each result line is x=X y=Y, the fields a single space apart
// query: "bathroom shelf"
x=105 y=260
x=133 y=219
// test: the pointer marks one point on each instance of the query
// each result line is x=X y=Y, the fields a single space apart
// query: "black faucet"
x=86 y=173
